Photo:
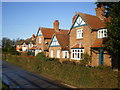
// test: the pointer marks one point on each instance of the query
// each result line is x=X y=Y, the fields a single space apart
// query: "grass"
x=79 y=76
x=4 y=86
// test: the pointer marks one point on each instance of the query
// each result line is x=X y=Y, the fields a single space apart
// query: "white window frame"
x=102 y=33
x=51 y=53
x=79 y=33
x=39 y=40
x=76 y=54
x=30 y=45
x=64 y=54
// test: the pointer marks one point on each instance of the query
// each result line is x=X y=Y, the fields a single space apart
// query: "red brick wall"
x=85 y=40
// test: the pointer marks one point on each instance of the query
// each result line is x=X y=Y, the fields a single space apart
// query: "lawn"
x=75 y=75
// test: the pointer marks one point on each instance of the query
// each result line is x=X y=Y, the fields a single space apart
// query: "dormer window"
x=79 y=33
x=102 y=33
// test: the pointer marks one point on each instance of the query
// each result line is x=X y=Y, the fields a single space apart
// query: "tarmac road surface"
x=21 y=79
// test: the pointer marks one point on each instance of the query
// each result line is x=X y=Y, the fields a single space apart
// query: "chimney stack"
x=56 y=25
x=100 y=12
x=33 y=37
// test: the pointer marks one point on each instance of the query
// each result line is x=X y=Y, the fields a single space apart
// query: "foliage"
x=31 y=53
x=5 y=87
x=76 y=75
x=86 y=59
x=113 y=41
x=41 y=56
x=9 y=45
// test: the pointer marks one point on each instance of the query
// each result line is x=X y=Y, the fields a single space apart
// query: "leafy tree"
x=9 y=45
x=113 y=26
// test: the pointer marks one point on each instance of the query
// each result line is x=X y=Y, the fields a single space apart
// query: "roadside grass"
x=5 y=87
x=76 y=75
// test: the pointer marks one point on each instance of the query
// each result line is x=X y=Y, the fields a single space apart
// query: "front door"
x=101 y=57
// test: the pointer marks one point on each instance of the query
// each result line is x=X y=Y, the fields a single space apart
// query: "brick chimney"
x=100 y=12
x=33 y=37
x=56 y=25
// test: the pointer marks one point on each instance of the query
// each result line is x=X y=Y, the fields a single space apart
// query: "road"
x=16 y=77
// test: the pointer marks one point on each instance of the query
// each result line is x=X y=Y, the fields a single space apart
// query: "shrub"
x=86 y=60
x=52 y=59
x=101 y=67
x=15 y=53
x=41 y=56
x=23 y=54
x=31 y=53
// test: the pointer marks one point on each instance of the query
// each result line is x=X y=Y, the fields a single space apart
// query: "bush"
x=23 y=54
x=52 y=59
x=31 y=53
x=15 y=53
x=86 y=60
x=41 y=56
x=101 y=67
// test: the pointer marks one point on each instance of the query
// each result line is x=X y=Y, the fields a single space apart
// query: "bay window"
x=76 y=54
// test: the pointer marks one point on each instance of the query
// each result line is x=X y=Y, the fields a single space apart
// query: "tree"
x=9 y=45
x=113 y=27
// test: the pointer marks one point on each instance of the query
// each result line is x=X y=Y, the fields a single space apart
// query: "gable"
x=78 y=22
x=54 y=42
x=39 y=33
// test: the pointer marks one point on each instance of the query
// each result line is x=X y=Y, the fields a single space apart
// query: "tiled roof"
x=98 y=43
x=93 y=21
x=48 y=32
x=78 y=45
x=63 y=40
x=27 y=41
x=35 y=47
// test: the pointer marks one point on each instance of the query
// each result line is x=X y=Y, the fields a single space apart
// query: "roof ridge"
x=87 y=14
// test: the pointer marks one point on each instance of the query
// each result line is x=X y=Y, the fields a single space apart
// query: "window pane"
x=78 y=55
x=73 y=55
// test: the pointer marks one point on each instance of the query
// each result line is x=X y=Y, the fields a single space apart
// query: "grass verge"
x=82 y=77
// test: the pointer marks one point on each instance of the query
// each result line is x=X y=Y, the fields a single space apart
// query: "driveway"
x=16 y=77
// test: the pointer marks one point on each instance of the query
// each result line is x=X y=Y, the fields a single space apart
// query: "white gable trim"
x=39 y=32
x=54 y=42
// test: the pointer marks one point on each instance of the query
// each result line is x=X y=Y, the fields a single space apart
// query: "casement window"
x=30 y=45
x=76 y=54
x=51 y=53
x=102 y=33
x=65 y=54
x=40 y=40
x=79 y=33
x=58 y=53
